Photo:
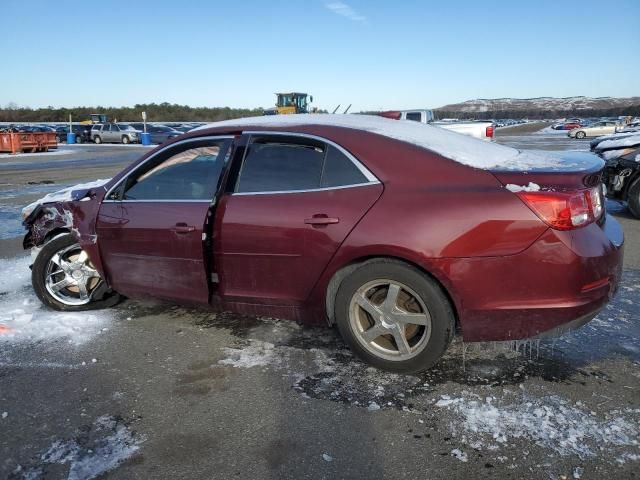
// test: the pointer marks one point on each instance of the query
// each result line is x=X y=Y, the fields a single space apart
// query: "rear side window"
x=273 y=167
x=339 y=170
x=415 y=116
x=295 y=164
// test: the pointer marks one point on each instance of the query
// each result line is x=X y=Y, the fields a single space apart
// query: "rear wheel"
x=580 y=134
x=633 y=198
x=394 y=317
x=79 y=139
x=97 y=139
x=64 y=278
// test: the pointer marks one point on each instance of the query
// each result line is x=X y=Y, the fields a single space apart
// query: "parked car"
x=305 y=217
x=484 y=130
x=159 y=133
x=594 y=130
x=83 y=133
x=114 y=133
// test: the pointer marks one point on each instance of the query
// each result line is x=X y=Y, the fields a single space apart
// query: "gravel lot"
x=151 y=390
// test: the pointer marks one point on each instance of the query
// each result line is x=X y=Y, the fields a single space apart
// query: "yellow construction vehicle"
x=288 y=103
x=96 y=118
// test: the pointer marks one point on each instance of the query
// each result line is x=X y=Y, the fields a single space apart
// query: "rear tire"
x=97 y=140
x=63 y=262
x=633 y=198
x=79 y=139
x=415 y=321
x=580 y=135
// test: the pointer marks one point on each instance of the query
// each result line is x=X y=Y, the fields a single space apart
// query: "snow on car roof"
x=461 y=148
x=627 y=141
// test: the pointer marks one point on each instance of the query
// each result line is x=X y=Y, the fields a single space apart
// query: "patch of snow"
x=5 y=415
x=327 y=457
x=114 y=444
x=257 y=354
x=551 y=422
x=461 y=148
x=531 y=187
x=578 y=472
x=23 y=318
x=613 y=154
x=627 y=141
x=50 y=153
x=63 y=195
x=459 y=454
x=373 y=406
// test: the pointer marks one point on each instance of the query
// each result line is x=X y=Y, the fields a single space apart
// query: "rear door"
x=151 y=225
x=292 y=203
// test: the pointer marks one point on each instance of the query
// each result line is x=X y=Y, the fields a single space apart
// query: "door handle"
x=321 y=219
x=183 y=228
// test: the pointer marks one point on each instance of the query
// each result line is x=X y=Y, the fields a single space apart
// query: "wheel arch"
x=339 y=275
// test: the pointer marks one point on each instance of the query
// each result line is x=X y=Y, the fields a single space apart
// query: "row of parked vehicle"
x=583 y=128
x=111 y=132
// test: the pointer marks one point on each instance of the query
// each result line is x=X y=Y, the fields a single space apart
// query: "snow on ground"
x=99 y=449
x=551 y=422
x=461 y=148
x=23 y=318
x=50 y=153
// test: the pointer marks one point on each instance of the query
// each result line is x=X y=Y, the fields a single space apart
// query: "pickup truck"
x=481 y=129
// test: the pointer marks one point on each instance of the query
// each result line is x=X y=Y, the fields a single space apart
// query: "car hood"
x=74 y=192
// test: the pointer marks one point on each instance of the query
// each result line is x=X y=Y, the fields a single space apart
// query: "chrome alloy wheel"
x=390 y=320
x=70 y=277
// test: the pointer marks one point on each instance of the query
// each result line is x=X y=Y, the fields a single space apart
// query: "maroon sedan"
x=399 y=233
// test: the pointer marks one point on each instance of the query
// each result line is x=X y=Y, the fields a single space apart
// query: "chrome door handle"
x=183 y=228
x=321 y=219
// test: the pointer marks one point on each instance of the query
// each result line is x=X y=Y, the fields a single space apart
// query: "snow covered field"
x=150 y=390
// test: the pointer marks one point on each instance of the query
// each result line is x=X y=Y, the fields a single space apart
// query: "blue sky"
x=374 y=54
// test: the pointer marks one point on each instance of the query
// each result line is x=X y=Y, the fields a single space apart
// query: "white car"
x=594 y=130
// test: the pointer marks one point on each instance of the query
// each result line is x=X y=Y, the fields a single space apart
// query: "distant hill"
x=541 y=107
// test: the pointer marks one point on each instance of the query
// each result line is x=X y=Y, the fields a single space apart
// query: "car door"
x=151 y=225
x=290 y=206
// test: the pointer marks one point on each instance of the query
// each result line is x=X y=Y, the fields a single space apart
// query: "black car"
x=621 y=176
x=83 y=133
x=159 y=133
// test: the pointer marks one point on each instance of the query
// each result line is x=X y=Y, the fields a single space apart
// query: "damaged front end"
x=73 y=210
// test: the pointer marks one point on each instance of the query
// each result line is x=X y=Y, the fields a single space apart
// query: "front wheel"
x=125 y=140
x=394 y=317
x=64 y=278
x=97 y=140
x=580 y=135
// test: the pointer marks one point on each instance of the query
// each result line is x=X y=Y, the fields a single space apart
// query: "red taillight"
x=393 y=114
x=489 y=131
x=565 y=211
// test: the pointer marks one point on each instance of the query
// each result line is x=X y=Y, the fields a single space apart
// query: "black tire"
x=125 y=140
x=39 y=273
x=430 y=293
x=633 y=198
x=79 y=139
x=580 y=135
x=97 y=140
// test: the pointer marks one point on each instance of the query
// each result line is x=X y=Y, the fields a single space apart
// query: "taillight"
x=565 y=211
x=489 y=131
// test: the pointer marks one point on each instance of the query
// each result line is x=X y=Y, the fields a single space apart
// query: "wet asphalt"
x=191 y=393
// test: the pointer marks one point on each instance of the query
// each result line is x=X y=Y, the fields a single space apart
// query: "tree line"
x=162 y=112
x=166 y=112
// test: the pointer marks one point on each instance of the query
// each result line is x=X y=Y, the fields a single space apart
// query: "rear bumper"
x=559 y=283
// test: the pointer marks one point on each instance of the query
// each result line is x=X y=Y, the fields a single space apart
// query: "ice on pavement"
x=551 y=422
x=461 y=148
x=23 y=318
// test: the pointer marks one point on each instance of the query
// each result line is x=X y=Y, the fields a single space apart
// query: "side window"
x=191 y=174
x=276 y=165
x=339 y=170
x=115 y=128
x=415 y=116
